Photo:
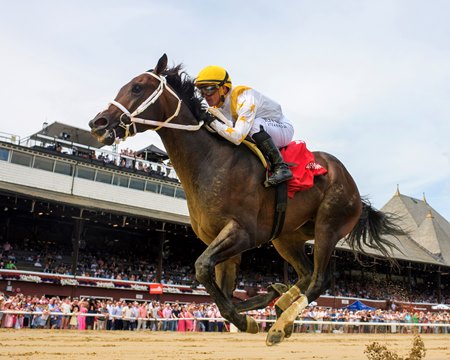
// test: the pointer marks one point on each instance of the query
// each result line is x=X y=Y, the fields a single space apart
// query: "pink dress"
x=181 y=322
x=8 y=322
x=82 y=319
x=189 y=321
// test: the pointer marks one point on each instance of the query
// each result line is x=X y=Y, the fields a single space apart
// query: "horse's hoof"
x=278 y=288
x=288 y=330
x=252 y=326
x=274 y=337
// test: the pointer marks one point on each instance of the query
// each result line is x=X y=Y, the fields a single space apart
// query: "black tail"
x=370 y=230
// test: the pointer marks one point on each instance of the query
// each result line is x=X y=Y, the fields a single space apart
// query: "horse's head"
x=147 y=96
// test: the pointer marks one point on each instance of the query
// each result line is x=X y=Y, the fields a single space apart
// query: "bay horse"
x=231 y=210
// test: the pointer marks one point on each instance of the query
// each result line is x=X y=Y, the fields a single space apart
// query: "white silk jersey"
x=246 y=108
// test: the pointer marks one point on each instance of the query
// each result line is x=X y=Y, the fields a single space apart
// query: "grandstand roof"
x=153 y=153
x=428 y=239
x=427 y=228
x=68 y=132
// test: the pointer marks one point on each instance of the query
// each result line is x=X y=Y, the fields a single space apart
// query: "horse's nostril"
x=100 y=122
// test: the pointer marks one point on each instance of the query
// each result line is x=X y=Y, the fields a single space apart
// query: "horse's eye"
x=136 y=89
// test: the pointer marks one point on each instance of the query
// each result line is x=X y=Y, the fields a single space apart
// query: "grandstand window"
x=21 y=158
x=103 y=177
x=4 y=154
x=168 y=190
x=43 y=163
x=63 y=168
x=85 y=173
x=120 y=180
x=153 y=187
x=137 y=184
x=180 y=193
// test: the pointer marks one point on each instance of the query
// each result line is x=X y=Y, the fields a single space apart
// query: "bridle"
x=153 y=97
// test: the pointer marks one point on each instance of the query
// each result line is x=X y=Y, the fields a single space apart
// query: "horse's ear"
x=162 y=64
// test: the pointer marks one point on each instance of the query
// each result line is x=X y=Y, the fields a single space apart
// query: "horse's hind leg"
x=231 y=241
x=291 y=248
x=278 y=331
x=284 y=325
x=336 y=218
x=261 y=301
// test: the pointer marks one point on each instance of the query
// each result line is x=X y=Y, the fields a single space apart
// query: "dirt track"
x=121 y=345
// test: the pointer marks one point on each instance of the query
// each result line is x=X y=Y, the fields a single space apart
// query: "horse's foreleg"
x=226 y=275
x=230 y=242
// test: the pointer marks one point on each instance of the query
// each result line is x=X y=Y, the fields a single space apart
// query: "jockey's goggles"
x=208 y=90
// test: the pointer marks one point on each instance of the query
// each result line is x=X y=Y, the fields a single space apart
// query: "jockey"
x=249 y=113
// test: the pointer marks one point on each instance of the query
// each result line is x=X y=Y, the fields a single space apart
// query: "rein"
x=153 y=97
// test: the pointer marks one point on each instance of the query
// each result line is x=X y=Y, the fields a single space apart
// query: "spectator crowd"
x=126 y=159
x=132 y=266
x=20 y=311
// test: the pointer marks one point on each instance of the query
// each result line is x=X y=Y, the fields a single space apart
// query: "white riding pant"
x=281 y=132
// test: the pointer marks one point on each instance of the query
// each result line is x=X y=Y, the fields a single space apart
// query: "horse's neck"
x=185 y=149
x=191 y=152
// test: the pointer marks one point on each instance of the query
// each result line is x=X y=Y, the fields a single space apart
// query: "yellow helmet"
x=213 y=75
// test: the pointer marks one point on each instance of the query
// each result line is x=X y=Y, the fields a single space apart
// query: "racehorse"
x=231 y=210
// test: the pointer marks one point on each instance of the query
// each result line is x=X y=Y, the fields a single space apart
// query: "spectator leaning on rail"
x=249 y=113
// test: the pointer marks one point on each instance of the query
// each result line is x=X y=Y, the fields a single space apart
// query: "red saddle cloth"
x=305 y=167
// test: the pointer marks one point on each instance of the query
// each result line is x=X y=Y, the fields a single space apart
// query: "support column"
x=439 y=294
x=7 y=231
x=161 y=238
x=409 y=278
x=76 y=239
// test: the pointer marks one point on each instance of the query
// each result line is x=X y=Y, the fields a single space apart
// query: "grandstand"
x=108 y=229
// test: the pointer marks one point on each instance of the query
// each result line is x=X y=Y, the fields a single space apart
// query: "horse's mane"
x=184 y=86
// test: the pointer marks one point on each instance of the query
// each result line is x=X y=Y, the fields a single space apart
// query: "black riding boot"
x=280 y=170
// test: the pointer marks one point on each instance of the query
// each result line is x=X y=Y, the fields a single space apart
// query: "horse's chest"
x=207 y=219
x=208 y=194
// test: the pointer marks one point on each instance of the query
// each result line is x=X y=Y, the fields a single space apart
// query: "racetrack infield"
x=123 y=345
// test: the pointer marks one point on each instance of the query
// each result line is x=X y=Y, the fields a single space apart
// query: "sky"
x=367 y=81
